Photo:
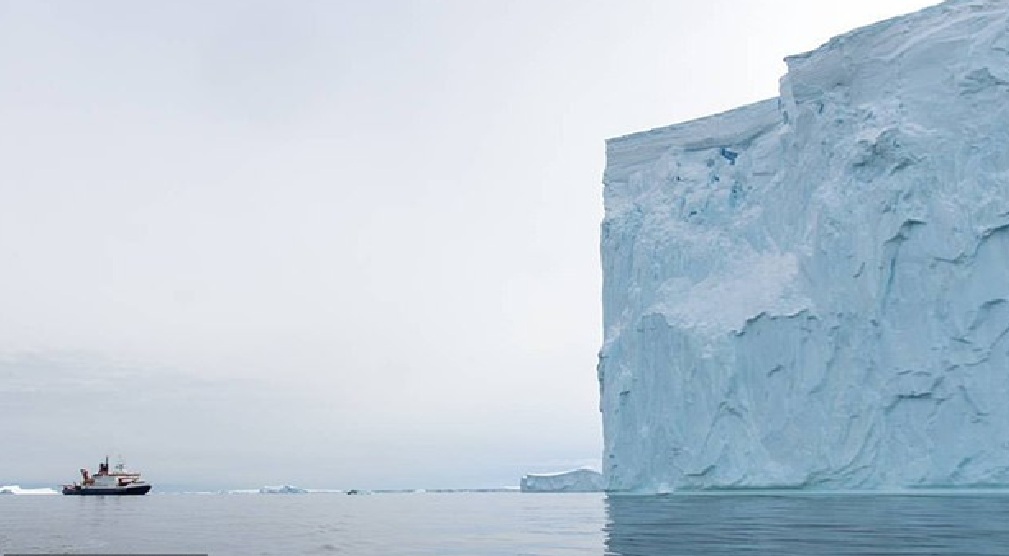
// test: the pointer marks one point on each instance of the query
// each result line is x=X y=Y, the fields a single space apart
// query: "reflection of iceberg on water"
x=791 y=523
x=17 y=490
x=576 y=480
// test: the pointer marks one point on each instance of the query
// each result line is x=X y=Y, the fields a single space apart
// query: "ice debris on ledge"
x=813 y=291
x=576 y=480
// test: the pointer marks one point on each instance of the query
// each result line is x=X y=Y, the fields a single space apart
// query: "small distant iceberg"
x=285 y=489
x=584 y=479
x=17 y=490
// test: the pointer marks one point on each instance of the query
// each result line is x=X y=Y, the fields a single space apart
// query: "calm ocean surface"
x=508 y=524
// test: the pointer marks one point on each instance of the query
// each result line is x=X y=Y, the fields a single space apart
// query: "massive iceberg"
x=813 y=291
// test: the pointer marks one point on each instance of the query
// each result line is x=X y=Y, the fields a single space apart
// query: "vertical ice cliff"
x=813 y=291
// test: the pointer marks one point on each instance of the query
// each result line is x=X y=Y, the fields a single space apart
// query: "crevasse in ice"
x=813 y=291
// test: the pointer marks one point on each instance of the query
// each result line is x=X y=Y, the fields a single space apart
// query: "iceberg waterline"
x=813 y=291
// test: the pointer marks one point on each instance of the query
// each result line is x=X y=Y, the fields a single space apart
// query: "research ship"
x=118 y=482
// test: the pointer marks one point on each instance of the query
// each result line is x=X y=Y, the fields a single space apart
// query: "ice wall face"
x=813 y=291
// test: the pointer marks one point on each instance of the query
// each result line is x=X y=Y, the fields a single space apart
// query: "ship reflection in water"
x=805 y=524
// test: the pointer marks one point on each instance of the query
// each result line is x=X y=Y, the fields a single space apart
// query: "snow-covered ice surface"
x=813 y=291
x=576 y=480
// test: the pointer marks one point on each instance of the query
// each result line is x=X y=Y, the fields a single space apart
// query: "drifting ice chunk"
x=577 y=480
x=813 y=291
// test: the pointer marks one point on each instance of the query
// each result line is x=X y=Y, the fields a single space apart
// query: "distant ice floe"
x=289 y=489
x=285 y=489
x=577 y=480
x=17 y=490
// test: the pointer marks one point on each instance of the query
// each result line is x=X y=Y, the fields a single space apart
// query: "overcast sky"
x=339 y=244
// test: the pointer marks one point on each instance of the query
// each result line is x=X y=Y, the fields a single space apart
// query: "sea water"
x=508 y=524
